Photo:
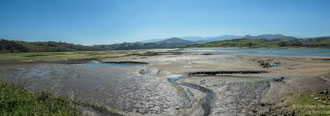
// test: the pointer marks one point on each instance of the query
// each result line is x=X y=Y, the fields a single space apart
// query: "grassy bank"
x=307 y=105
x=52 y=56
x=15 y=100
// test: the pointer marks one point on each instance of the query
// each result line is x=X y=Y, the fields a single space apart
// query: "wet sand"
x=123 y=90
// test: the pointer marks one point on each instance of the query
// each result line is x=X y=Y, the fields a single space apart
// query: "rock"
x=325 y=92
x=254 y=111
x=316 y=98
x=268 y=63
x=278 y=79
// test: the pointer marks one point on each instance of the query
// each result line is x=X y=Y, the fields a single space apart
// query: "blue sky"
x=91 y=22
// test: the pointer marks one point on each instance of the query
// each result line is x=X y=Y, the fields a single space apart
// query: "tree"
x=283 y=43
x=249 y=44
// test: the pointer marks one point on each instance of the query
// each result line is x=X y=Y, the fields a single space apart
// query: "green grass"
x=306 y=105
x=180 y=89
x=17 y=101
x=44 y=56
x=145 y=54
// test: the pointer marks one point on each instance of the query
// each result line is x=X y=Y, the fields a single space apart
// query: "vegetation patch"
x=179 y=89
x=53 y=56
x=314 y=105
x=150 y=54
x=145 y=54
x=17 y=101
x=207 y=54
x=270 y=63
x=35 y=55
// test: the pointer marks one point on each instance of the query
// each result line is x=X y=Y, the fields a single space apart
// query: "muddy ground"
x=123 y=90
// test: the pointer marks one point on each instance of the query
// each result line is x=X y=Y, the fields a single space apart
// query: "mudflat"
x=226 y=85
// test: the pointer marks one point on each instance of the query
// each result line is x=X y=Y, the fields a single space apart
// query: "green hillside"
x=7 y=46
x=269 y=41
x=11 y=46
x=21 y=46
x=319 y=42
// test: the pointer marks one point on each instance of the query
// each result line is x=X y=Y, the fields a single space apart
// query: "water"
x=111 y=64
x=272 y=78
x=7 y=55
x=144 y=72
x=209 y=95
x=263 y=52
x=202 y=81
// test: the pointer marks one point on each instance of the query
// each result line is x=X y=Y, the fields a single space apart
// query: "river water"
x=209 y=95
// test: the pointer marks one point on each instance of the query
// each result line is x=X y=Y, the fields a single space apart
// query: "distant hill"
x=21 y=46
x=151 y=40
x=269 y=37
x=174 y=42
x=266 y=40
x=270 y=41
x=201 y=40
x=198 y=39
x=168 y=43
